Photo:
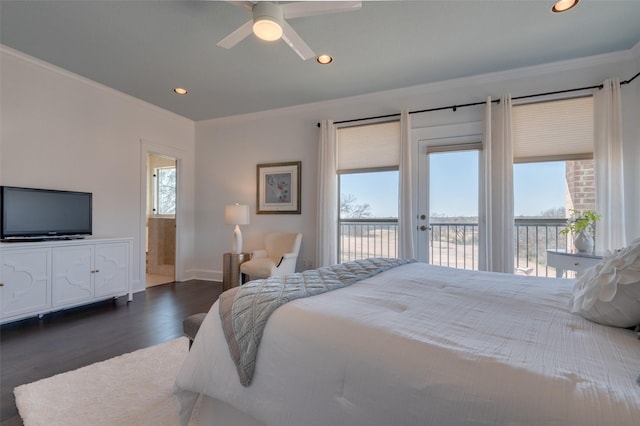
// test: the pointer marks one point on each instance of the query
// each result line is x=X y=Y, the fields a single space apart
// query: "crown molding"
x=23 y=57
x=494 y=77
x=635 y=51
x=434 y=87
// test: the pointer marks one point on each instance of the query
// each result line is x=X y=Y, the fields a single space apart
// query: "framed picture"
x=278 y=188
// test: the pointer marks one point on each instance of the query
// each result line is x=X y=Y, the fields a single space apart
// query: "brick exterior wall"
x=581 y=190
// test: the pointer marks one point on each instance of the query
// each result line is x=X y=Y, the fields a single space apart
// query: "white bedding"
x=427 y=345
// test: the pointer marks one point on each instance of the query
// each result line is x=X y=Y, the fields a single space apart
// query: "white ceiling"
x=145 y=48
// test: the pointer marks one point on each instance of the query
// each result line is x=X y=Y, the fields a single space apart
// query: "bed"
x=418 y=344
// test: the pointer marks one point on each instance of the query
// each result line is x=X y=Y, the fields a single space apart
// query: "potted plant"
x=581 y=224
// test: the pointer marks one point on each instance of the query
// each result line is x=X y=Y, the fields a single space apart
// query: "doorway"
x=448 y=165
x=160 y=252
x=452 y=235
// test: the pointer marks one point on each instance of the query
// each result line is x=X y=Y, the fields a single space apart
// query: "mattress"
x=425 y=345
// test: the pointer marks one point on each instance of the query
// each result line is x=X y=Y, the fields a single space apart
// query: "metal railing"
x=455 y=244
x=533 y=237
x=362 y=238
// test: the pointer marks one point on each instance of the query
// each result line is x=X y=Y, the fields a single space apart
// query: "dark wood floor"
x=33 y=349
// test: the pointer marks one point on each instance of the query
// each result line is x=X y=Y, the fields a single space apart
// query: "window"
x=164 y=191
x=553 y=174
x=368 y=215
x=368 y=158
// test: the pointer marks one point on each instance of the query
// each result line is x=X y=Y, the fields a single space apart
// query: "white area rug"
x=131 y=389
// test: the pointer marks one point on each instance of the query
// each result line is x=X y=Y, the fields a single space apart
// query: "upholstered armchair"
x=277 y=258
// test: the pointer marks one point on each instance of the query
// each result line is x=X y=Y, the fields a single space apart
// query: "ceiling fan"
x=269 y=21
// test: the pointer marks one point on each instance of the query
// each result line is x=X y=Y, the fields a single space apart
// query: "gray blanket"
x=244 y=310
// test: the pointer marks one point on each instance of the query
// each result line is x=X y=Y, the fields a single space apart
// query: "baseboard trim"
x=205 y=274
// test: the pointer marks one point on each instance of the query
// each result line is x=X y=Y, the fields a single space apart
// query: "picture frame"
x=278 y=188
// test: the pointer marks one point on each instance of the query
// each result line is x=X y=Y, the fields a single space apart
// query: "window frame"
x=155 y=173
x=550 y=237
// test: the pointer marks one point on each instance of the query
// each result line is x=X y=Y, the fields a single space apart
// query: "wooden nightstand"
x=231 y=269
x=562 y=261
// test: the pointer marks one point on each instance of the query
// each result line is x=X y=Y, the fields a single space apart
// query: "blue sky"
x=453 y=187
x=538 y=187
x=379 y=190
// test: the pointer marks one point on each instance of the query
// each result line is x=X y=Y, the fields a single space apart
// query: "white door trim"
x=450 y=134
x=148 y=147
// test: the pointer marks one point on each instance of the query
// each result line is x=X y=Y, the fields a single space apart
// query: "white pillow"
x=609 y=292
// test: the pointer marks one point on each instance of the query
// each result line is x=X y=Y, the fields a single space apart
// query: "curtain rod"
x=455 y=107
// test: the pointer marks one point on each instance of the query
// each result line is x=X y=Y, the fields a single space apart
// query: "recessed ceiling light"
x=563 y=5
x=324 y=59
x=180 y=90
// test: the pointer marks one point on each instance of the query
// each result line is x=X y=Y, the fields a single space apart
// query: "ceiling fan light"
x=267 y=29
x=267 y=20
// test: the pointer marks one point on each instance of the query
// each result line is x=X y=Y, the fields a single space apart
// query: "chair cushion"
x=258 y=268
x=277 y=244
x=192 y=324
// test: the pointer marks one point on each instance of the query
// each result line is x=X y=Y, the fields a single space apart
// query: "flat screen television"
x=30 y=213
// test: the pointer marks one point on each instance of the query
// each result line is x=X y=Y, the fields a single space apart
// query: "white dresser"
x=41 y=277
x=572 y=261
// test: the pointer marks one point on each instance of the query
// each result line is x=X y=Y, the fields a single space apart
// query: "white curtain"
x=485 y=231
x=327 y=203
x=405 y=206
x=496 y=231
x=607 y=155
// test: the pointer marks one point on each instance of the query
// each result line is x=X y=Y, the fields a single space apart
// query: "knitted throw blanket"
x=244 y=310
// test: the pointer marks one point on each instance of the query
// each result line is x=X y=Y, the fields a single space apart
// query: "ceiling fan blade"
x=238 y=35
x=295 y=42
x=312 y=8
x=244 y=4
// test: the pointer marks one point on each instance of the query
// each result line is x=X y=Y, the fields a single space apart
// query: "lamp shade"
x=236 y=214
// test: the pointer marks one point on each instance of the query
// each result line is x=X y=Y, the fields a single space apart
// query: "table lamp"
x=237 y=214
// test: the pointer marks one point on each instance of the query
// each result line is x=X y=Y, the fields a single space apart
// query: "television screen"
x=41 y=213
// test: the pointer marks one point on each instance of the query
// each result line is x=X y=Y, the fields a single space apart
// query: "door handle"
x=424 y=227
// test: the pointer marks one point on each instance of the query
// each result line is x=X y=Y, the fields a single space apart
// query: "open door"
x=160 y=252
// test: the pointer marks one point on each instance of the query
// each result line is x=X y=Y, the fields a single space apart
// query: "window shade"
x=554 y=130
x=373 y=146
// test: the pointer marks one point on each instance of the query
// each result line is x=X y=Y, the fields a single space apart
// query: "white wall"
x=228 y=149
x=226 y=173
x=62 y=131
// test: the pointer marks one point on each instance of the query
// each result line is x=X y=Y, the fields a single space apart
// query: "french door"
x=448 y=194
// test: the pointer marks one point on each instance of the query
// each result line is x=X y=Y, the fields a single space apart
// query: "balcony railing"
x=364 y=238
x=455 y=244
x=533 y=237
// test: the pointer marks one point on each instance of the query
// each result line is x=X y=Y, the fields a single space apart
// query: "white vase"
x=583 y=242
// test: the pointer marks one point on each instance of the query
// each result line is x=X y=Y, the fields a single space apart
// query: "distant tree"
x=350 y=209
x=554 y=212
x=166 y=181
